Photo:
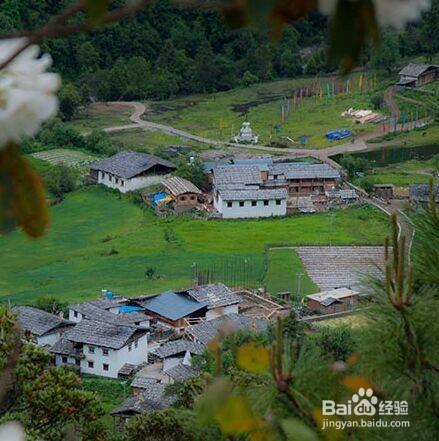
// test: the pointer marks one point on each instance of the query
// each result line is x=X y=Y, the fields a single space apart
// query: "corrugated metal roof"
x=128 y=164
x=172 y=306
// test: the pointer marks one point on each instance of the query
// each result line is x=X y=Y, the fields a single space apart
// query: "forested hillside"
x=169 y=50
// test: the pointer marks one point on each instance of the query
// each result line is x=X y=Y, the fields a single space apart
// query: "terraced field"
x=71 y=158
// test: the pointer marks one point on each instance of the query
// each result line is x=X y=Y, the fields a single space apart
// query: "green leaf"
x=296 y=430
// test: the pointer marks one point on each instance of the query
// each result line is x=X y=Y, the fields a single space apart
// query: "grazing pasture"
x=99 y=239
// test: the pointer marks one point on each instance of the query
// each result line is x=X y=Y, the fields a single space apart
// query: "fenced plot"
x=334 y=267
x=70 y=158
x=285 y=272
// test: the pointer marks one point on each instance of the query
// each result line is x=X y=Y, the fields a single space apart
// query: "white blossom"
x=12 y=431
x=27 y=92
x=394 y=13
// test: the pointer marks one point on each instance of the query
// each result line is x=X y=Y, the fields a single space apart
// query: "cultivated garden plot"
x=337 y=266
x=70 y=158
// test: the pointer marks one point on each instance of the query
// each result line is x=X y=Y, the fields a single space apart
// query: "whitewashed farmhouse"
x=128 y=171
x=100 y=348
x=42 y=328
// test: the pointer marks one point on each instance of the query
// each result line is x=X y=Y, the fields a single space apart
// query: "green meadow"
x=98 y=239
x=284 y=269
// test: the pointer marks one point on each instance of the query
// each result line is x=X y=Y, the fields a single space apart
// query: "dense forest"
x=169 y=50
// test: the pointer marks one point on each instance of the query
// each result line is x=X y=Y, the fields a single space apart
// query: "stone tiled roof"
x=214 y=295
x=233 y=174
x=92 y=312
x=178 y=186
x=108 y=303
x=416 y=69
x=128 y=164
x=142 y=382
x=421 y=192
x=64 y=347
x=303 y=170
x=205 y=331
x=256 y=194
x=175 y=347
x=182 y=372
x=37 y=321
x=104 y=334
x=333 y=294
x=151 y=398
x=127 y=369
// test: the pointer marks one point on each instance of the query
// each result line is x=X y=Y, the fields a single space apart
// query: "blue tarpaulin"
x=158 y=197
x=127 y=309
x=334 y=135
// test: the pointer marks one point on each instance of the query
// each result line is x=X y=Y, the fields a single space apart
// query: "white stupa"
x=246 y=134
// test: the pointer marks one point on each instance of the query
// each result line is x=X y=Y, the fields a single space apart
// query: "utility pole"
x=299 y=279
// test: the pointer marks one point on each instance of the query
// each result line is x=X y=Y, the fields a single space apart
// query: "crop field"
x=285 y=272
x=357 y=320
x=220 y=115
x=98 y=239
x=68 y=157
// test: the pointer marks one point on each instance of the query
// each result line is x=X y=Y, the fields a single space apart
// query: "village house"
x=184 y=194
x=180 y=309
x=419 y=195
x=151 y=398
x=175 y=352
x=260 y=188
x=204 y=332
x=101 y=348
x=332 y=301
x=383 y=191
x=417 y=74
x=127 y=171
x=41 y=327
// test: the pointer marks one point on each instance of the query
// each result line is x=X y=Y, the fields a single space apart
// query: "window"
x=183 y=198
x=266 y=202
x=136 y=344
x=110 y=178
x=78 y=362
x=254 y=203
x=117 y=181
x=229 y=204
x=75 y=313
x=241 y=203
x=91 y=364
x=130 y=346
x=278 y=201
x=121 y=182
x=105 y=367
x=104 y=351
x=91 y=349
x=64 y=359
x=192 y=198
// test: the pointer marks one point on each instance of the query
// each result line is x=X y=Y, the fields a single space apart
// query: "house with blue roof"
x=184 y=308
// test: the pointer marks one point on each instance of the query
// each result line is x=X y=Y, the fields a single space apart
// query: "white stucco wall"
x=260 y=210
x=214 y=313
x=48 y=339
x=74 y=318
x=125 y=185
x=115 y=358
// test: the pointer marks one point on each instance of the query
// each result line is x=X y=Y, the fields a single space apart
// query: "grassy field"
x=110 y=392
x=283 y=267
x=100 y=116
x=419 y=137
x=150 y=141
x=357 y=320
x=221 y=114
x=98 y=239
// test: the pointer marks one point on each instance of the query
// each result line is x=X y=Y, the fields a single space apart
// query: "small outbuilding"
x=383 y=191
x=334 y=300
x=417 y=74
x=184 y=194
x=419 y=194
